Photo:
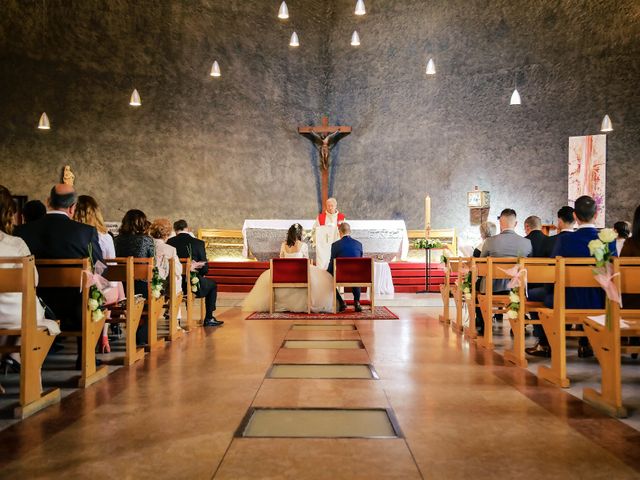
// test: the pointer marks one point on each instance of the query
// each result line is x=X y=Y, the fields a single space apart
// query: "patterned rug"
x=380 y=313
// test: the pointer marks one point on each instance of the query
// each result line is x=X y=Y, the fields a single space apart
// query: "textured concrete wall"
x=213 y=151
x=220 y=151
x=414 y=134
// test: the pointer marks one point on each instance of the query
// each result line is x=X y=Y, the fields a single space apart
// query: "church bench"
x=69 y=273
x=456 y=266
x=129 y=312
x=569 y=272
x=470 y=330
x=174 y=303
x=189 y=296
x=445 y=292
x=606 y=342
x=538 y=271
x=491 y=269
x=19 y=277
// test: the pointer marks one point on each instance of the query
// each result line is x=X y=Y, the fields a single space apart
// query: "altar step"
x=240 y=276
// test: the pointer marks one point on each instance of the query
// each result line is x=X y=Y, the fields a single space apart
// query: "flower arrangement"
x=466 y=285
x=157 y=283
x=514 y=303
x=599 y=249
x=428 y=243
x=194 y=281
x=96 y=297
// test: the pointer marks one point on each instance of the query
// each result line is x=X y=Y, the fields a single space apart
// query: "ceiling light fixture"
x=355 y=39
x=431 y=67
x=215 y=69
x=295 y=41
x=360 y=8
x=135 y=101
x=606 y=125
x=283 y=13
x=43 y=123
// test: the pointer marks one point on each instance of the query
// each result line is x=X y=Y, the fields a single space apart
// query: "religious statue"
x=67 y=176
x=322 y=141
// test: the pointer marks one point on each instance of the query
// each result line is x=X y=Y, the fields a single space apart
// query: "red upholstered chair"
x=353 y=272
x=290 y=273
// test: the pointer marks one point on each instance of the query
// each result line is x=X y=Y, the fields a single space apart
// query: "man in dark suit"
x=346 y=247
x=187 y=245
x=57 y=236
x=575 y=245
x=541 y=244
x=539 y=293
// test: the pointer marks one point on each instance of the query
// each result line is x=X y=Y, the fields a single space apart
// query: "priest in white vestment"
x=325 y=232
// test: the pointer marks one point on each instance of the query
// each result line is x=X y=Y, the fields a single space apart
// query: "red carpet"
x=380 y=313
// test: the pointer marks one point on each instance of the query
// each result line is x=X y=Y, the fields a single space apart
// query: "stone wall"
x=219 y=151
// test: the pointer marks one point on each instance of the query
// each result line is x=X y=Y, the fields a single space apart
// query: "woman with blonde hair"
x=88 y=211
x=160 y=230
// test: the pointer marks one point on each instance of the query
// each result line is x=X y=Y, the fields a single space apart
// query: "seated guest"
x=623 y=229
x=540 y=243
x=565 y=225
x=574 y=245
x=57 y=236
x=346 y=247
x=631 y=248
x=189 y=246
x=294 y=246
x=506 y=244
x=32 y=211
x=88 y=212
x=133 y=240
x=11 y=302
x=487 y=229
x=160 y=230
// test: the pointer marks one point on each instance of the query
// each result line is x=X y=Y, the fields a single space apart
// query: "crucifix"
x=324 y=138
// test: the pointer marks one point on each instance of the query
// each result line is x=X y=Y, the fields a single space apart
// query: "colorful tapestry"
x=587 y=159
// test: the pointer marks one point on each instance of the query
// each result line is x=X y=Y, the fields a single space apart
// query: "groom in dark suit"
x=346 y=247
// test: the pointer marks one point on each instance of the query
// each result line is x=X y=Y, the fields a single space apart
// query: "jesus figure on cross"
x=324 y=138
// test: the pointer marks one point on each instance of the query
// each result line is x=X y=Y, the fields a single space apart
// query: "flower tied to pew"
x=194 y=280
x=518 y=280
x=603 y=273
x=97 y=284
x=465 y=286
x=157 y=284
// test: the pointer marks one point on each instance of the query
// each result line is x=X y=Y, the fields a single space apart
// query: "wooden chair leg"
x=486 y=307
x=91 y=332
x=32 y=357
x=174 y=308
x=471 y=331
x=607 y=351
x=133 y=353
x=153 y=313
x=203 y=308
x=516 y=354
x=444 y=318
x=554 y=328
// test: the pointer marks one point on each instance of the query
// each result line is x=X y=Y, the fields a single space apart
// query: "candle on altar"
x=427 y=214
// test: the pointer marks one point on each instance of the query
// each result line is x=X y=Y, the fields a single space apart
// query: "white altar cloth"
x=383 y=239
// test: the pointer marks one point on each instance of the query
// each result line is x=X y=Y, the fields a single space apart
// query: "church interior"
x=319 y=239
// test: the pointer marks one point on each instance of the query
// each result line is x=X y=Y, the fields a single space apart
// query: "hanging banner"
x=587 y=159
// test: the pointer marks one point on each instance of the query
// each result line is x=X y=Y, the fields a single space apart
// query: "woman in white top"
x=293 y=299
x=160 y=230
x=88 y=212
x=11 y=303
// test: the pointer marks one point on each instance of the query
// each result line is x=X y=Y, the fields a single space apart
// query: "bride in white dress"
x=293 y=299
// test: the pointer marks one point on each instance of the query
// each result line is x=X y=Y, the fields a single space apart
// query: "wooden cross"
x=324 y=138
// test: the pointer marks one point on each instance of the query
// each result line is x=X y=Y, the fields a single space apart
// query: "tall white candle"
x=427 y=213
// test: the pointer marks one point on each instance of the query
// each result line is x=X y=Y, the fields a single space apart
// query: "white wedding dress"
x=293 y=299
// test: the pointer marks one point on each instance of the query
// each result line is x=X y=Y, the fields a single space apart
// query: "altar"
x=384 y=240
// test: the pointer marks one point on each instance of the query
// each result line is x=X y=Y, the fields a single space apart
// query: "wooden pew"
x=457 y=266
x=539 y=270
x=470 y=330
x=492 y=269
x=570 y=272
x=69 y=274
x=123 y=270
x=606 y=342
x=35 y=341
x=445 y=292
x=190 y=297
x=175 y=295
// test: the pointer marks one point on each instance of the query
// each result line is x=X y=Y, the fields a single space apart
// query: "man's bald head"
x=344 y=229
x=62 y=197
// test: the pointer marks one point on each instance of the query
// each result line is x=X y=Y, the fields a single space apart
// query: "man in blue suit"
x=576 y=244
x=346 y=247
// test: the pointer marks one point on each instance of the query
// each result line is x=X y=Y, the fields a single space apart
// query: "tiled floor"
x=463 y=413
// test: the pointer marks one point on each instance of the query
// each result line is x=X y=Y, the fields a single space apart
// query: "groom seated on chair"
x=346 y=247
